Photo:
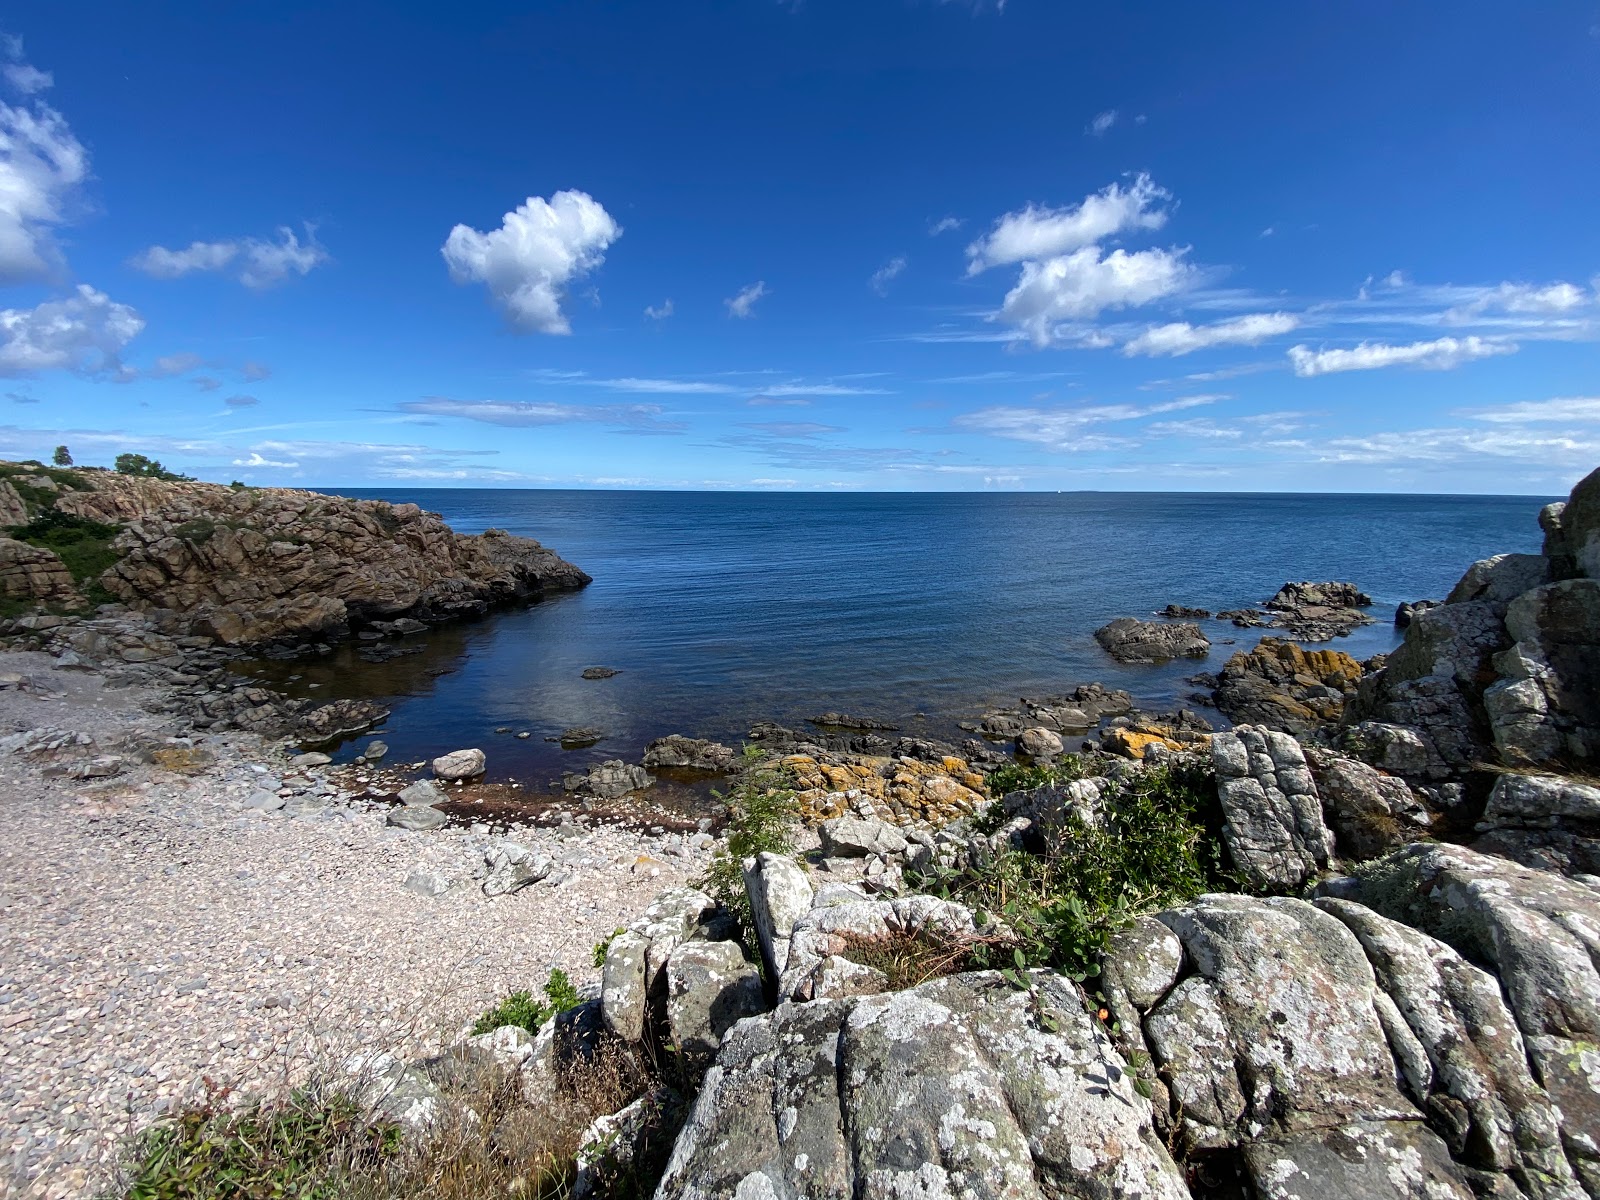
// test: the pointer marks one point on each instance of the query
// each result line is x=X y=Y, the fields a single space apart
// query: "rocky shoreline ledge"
x=1349 y=946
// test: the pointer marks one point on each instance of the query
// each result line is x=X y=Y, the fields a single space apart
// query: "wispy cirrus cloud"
x=1069 y=428
x=743 y=305
x=257 y=263
x=887 y=274
x=625 y=418
x=1440 y=354
x=1180 y=337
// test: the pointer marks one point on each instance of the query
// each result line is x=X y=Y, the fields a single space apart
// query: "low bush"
x=84 y=545
x=523 y=1010
x=1146 y=849
x=763 y=818
x=311 y=1146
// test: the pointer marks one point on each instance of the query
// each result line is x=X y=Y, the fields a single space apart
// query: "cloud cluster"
x=83 y=332
x=254 y=262
x=1440 y=354
x=1067 y=275
x=1039 y=233
x=1069 y=429
x=528 y=263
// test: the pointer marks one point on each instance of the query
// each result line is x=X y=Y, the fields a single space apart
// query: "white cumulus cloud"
x=1081 y=285
x=1441 y=354
x=42 y=167
x=85 y=331
x=256 y=460
x=1180 y=337
x=743 y=305
x=255 y=262
x=659 y=312
x=1038 y=233
x=529 y=261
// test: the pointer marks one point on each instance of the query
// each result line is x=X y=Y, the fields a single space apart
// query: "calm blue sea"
x=723 y=609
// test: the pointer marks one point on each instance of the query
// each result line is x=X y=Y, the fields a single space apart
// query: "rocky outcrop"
x=1540 y=934
x=1282 y=686
x=1325 y=1051
x=691 y=754
x=254 y=565
x=1543 y=821
x=1077 y=711
x=1133 y=641
x=609 y=780
x=34 y=573
x=957 y=1087
x=1272 y=815
x=1370 y=812
x=13 y=509
x=633 y=984
x=1319 y=612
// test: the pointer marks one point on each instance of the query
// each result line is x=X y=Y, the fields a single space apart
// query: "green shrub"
x=523 y=1010
x=600 y=948
x=306 y=1147
x=84 y=545
x=763 y=816
x=1148 y=850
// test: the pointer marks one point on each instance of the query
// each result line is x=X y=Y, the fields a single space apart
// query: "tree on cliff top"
x=147 y=468
x=62 y=457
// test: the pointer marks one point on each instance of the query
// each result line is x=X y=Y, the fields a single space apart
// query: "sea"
x=720 y=609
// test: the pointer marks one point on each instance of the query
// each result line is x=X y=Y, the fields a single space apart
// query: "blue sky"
x=818 y=244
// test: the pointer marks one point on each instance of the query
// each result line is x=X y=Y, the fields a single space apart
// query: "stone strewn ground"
x=156 y=929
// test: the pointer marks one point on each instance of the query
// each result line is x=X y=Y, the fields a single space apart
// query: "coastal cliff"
x=248 y=566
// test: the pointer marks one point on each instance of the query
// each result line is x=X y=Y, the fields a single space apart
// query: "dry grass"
x=1565 y=769
x=908 y=959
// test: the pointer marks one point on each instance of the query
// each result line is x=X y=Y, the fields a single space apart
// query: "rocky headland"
x=1341 y=938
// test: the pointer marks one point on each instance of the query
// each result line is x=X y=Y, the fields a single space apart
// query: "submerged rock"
x=600 y=672
x=686 y=753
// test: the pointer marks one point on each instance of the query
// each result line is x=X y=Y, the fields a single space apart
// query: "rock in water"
x=695 y=754
x=460 y=764
x=608 y=781
x=1134 y=641
x=600 y=672
x=1039 y=745
x=1281 y=686
x=339 y=719
x=958 y=1087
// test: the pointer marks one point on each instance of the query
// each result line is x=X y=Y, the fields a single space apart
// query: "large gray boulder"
x=692 y=754
x=1501 y=579
x=609 y=780
x=1369 y=811
x=1544 y=821
x=1572 y=535
x=961 y=1086
x=855 y=837
x=1461 y=1058
x=1540 y=934
x=511 y=866
x=1546 y=704
x=710 y=986
x=633 y=988
x=1272 y=816
x=1132 y=641
x=460 y=765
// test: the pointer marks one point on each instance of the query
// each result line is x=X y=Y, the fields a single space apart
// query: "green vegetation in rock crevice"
x=83 y=545
x=1148 y=848
x=763 y=818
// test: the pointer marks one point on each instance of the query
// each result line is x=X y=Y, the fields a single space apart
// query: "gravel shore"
x=158 y=927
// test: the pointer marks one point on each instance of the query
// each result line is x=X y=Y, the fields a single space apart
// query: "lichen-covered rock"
x=1272 y=815
x=710 y=986
x=633 y=989
x=1546 y=704
x=1279 y=685
x=852 y=837
x=1077 y=711
x=337 y=720
x=780 y=894
x=1133 y=641
x=1541 y=935
x=1543 y=821
x=958 y=1087
x=901 y=790
x=1460 y=1054
x=1369 y=812
x=841 y=929
x=1318 y=612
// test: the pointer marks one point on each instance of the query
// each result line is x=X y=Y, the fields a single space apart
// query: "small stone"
x=312 y=759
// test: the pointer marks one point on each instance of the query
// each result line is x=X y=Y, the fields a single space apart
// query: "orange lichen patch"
x=904 y=791
x=1131 y=742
